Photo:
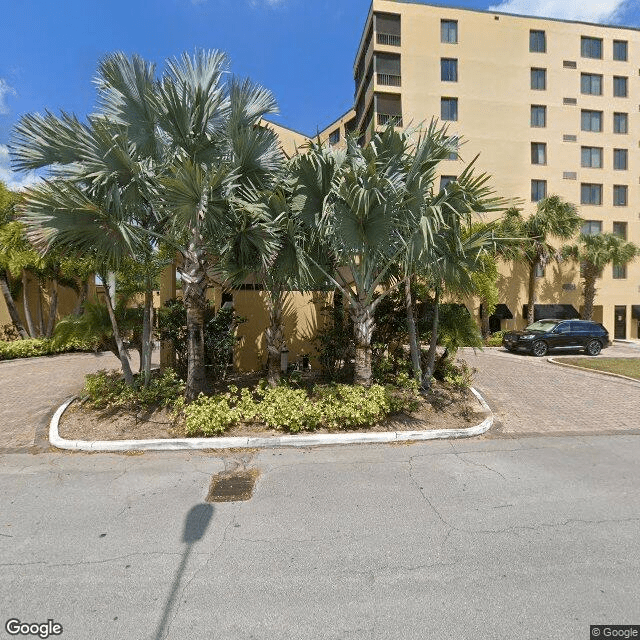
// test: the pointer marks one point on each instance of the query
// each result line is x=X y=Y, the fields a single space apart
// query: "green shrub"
x=495 y=339
x=41 y=347
x=108 y=390
x=335 y=406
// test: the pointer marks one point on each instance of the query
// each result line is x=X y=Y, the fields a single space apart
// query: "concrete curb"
x=190 y=444
x=604 y=373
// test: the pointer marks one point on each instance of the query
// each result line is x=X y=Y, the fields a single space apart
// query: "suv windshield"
x=542 y=325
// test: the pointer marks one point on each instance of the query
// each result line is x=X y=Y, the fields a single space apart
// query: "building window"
x=537 y=41
x=619 y=271
x=591 y=47
x=592 y=157
x=590 y=193
x=620 y=123
x=539 y=270
x=621 y=159
x=449 y=31
x=591 y=84
x=452 y=143
x=449 y=108
x=334 y=137
x=620 y=86
x=446 y=180
x=620 y=230
x=538 y=153
x=538 y=79
x=538 y=190
x=591 y=120
x=591 y=227
x=449 y=70
x=388 y=29
x=620 y=195
x=538 y=115
x=620 y=50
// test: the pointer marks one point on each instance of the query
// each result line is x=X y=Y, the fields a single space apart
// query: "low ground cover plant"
x=42 y=347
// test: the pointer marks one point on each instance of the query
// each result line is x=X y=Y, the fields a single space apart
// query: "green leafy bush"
x=42 y=347
x=495 y=339
x=108 y=390
x=335 y=406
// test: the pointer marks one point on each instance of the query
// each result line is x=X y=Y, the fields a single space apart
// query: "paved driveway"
x=531 y=396
x=31 y=388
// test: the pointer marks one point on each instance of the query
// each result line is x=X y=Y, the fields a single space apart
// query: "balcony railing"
x=387 y=38
x=389 y=79
x=385 y=119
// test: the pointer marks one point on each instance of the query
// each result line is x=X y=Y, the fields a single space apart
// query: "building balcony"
x=385 y=119
x=388 y=39
x=389 y=80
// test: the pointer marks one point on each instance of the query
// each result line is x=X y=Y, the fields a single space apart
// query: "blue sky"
x=300 y=49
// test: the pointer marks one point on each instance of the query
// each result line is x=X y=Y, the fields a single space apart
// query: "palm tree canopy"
x=602 y=249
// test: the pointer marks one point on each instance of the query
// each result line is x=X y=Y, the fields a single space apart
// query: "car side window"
x=576 y=327
x=563 y=328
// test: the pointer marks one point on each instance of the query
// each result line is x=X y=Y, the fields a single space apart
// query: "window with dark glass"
x=539 y=270
x=537 y=41
x=449 y=69
x=619 y=271
x=620 y=230
x=620 y=123
x=620 y=159
x=334 y=137
x=591 y=120
x=591 y=84
x=538 y=79
x=449 y=31
x=620 y=195
x=449 y=108
x=620 y=86
x=388 y=108
x=538 y=153
x=446 y=180
x=538 y=190
x=590 y=193
x=591 y=47
x=538 y=115
x=387 y=67
x=591 y=227
x=388 y=29
x=453 y=143
x=592 y=157
x=620 y=50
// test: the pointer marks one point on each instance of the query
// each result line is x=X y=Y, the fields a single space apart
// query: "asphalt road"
x=496 y=539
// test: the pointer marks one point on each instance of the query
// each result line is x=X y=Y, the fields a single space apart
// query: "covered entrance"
x=620 y=324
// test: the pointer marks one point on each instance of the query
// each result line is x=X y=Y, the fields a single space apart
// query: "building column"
x=167 y=292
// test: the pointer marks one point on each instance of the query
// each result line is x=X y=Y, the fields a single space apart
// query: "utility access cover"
x=233 y=486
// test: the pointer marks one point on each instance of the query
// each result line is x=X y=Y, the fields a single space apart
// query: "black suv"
x=541 y=337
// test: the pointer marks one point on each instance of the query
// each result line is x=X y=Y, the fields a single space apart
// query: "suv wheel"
x=593 y=347
x=539 y=348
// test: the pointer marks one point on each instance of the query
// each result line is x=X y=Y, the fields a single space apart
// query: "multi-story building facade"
x=551 y=106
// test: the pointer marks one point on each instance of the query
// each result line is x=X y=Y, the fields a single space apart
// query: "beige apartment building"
x=551 y=106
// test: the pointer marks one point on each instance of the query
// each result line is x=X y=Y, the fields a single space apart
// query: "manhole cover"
x=232 y=486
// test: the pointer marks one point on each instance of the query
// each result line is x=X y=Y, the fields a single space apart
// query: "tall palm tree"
x=374 y=210
x=594 y=253
x=554 y=219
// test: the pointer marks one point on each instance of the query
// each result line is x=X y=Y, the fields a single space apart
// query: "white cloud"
x=14 y=181
x=268 y=3
x=5 y=90
x=588 y=10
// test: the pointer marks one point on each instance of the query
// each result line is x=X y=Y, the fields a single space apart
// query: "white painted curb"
x=187 y=444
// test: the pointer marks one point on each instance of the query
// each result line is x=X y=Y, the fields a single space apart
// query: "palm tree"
x=554 y=219
x=375 y=211
x=594 y=253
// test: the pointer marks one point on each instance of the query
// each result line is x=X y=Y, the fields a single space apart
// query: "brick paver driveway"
x=32 y=388
x=531 y=396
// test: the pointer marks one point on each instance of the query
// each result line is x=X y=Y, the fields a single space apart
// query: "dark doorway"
x=494 y=324
x=620 y=323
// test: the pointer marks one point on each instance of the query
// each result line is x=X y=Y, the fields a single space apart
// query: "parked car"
x=546 y=335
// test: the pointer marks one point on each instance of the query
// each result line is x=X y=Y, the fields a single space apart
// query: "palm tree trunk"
x=274 y=335
x=53 y=307
x=532 y=291
x=39 y=311
x=484 y=321
x=589 y=292
x=414 y=347
x=431 y=355
x=25 y=304
x=122 y=352
x=11 y=306
x=147 y=343
x=195 y=289
x=363 y=326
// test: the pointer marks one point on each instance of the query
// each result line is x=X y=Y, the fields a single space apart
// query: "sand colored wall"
x=494 y=101
x=290 y=140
